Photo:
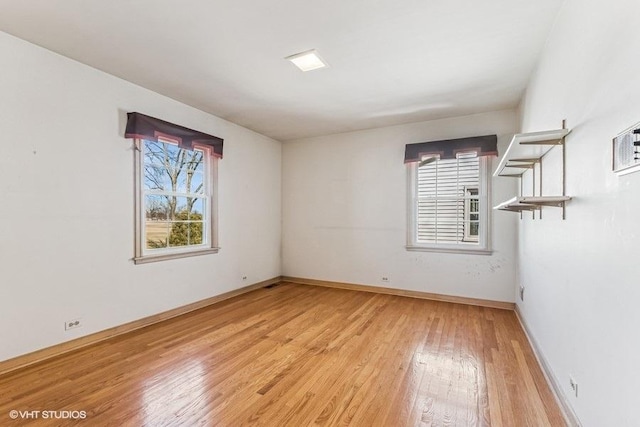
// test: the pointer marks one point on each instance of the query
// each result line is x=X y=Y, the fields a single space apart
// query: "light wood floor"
x=297 y=355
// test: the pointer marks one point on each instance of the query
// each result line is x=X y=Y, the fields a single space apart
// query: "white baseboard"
x=567 y=410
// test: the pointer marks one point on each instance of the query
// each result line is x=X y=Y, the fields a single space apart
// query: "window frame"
x=468 y=237
x=142 y=255
x=483 y=246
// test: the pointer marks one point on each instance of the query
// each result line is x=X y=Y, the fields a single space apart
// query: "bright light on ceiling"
x=307 y=61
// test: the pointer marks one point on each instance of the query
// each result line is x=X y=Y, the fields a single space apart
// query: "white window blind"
x=449 y=203
x=444 y=198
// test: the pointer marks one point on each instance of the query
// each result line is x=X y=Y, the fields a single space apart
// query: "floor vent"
x=271 y=286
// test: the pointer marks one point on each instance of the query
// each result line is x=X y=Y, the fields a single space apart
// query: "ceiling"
x=391 y=61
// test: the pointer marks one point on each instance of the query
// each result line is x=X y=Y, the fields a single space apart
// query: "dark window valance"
x=149 y=128
x=447 y=149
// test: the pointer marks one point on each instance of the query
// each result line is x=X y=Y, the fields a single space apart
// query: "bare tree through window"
x=174 y=195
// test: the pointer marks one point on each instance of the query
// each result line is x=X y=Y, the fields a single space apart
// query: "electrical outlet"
x=72 y=324
x=521 y=293
x=574 y=385
x=385 y=279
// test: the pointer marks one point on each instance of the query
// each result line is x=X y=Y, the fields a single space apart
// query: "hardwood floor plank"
x=297 y=355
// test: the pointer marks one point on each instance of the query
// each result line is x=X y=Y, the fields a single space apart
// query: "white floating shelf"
x=526 y=149
x=531 y=203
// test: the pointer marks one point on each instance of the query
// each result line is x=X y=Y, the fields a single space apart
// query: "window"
x=448 y=204
x=471 y=214
x=175 y=200
x=176 y=170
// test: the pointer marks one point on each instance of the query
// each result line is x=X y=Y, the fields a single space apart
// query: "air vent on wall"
x=626 y=151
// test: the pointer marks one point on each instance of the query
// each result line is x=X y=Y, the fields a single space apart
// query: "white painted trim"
x=137 y=179
x=174 y=255
x=453 y=249
x=565 y=407
x=627 y=170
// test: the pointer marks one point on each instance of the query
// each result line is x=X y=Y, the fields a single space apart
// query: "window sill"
x=165 y=257
x=449 y=250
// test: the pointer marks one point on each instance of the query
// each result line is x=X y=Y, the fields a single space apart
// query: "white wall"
x=582 y=275
x=66 y=216
x=345 y=212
